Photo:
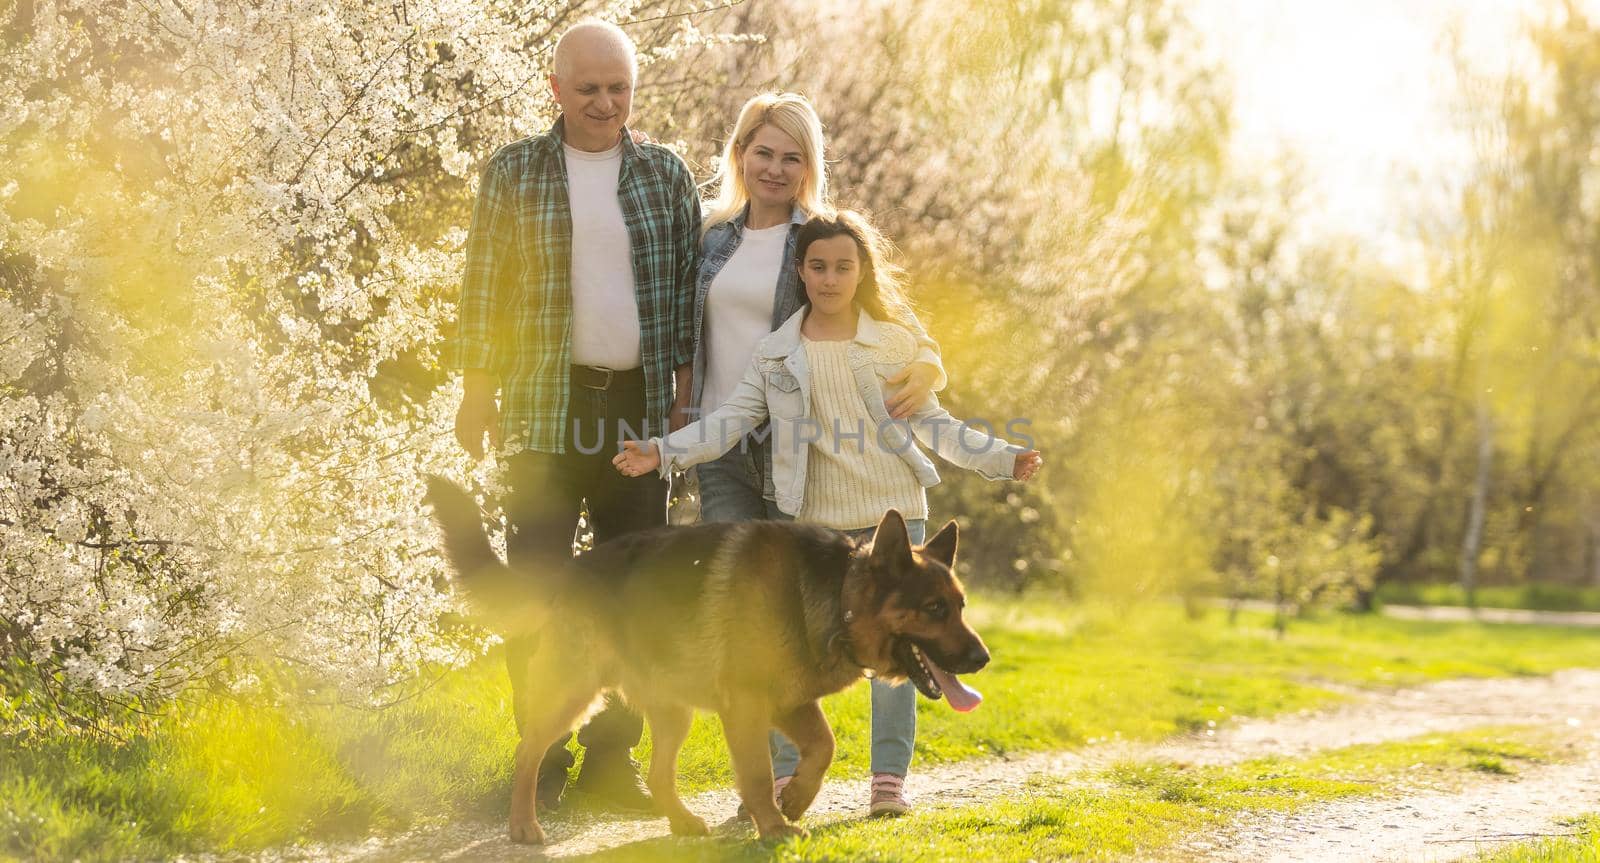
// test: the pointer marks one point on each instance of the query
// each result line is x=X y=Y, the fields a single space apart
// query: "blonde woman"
x=770 y=181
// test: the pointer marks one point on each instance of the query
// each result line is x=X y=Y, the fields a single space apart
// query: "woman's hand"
x=636 y=458
x=918 y=378
x=1027 y=465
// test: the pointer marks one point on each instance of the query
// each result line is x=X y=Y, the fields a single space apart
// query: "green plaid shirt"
x=516 y=294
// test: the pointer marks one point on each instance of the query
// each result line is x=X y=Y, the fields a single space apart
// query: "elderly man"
x=576 y=310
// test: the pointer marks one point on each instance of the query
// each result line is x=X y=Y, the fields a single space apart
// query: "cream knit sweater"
x=851 y=479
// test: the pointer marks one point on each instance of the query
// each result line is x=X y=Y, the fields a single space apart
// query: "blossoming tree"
x=229 y=241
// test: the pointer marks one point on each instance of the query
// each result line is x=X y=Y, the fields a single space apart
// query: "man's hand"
x=637 y=459
x=918 y=378
x=478 y=414
x=1027 y=465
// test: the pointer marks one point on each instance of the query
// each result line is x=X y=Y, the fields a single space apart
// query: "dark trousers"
x=547 y=492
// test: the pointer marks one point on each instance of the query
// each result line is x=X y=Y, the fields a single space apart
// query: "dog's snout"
x=977 y=657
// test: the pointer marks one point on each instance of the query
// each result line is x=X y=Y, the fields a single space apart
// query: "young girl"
x=838 y=458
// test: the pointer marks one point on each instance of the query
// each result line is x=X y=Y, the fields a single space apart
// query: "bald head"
x=592 y=39
x=592 y=81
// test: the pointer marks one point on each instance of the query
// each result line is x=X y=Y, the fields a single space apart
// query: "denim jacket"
x=777 y=385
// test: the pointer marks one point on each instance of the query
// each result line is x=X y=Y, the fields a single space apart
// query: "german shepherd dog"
x=754 y=621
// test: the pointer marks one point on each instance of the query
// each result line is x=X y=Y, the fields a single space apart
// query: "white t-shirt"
x=739 y=310
x=605 y=310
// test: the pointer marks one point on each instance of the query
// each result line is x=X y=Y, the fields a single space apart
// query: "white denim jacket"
x=778 y=385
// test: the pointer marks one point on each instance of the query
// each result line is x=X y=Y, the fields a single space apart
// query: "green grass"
x=1542 y=597
x=1581 y=846
x=1131 y=809
x=1431 y=760
x=226 y=775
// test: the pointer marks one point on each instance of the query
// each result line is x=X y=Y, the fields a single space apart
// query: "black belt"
x=594 y=378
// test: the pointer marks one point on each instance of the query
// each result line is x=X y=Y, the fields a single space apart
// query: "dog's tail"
x=505 y=599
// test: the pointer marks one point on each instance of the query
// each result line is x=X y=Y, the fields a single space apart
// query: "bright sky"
x=1361 y=90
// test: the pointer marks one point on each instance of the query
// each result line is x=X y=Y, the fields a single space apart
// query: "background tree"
x=230 y=238
x=1520 y=271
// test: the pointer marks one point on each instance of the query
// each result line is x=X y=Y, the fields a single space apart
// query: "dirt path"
x=1432 y=825
x=1427 y=826
x=1422 y=826
x=1455 y=613
x=1451 y=613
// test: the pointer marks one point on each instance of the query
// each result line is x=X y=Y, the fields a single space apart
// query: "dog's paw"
x=689 y=825
x=794 y=806
x=526 y=831
x=778 y=833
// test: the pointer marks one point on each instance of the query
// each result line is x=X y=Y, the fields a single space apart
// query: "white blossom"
x=218 y=222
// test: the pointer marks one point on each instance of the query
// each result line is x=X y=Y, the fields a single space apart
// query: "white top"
x=605 y=311
x=852 y=477
x=739 y=310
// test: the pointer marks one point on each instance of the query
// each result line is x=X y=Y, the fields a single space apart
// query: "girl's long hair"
x=791 y=114
x=881 y=288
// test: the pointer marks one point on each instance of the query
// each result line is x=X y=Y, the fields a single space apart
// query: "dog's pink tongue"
x=961 y=696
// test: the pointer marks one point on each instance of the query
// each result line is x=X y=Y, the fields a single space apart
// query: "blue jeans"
x=894 y=708
x=731 y=486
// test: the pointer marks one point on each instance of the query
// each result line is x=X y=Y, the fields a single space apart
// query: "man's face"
x=595 y=95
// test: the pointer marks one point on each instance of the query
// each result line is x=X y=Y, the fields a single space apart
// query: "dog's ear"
x=890 y=543
x=943 y=546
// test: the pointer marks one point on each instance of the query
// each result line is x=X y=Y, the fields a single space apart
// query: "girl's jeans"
x=731 y=486
x=894 y=708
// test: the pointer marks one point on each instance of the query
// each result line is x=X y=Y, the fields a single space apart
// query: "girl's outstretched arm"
x=716 y=432
x=970 y=446
x=637 y=459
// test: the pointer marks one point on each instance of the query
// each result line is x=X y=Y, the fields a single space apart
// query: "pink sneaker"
x=888 y=796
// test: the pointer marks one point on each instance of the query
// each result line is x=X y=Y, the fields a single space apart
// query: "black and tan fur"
x=754 y=621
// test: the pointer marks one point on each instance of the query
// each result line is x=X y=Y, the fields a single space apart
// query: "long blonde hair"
x=791 y=114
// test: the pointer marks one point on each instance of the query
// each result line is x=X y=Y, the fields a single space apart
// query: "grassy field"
x=225 y=774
